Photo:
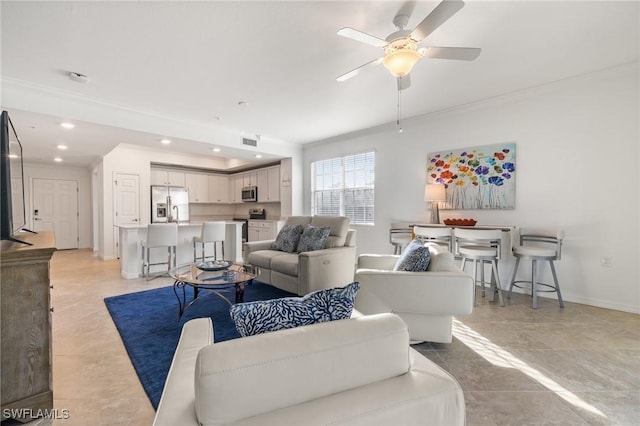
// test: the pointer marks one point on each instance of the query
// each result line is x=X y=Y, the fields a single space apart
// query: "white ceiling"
x=190 y=62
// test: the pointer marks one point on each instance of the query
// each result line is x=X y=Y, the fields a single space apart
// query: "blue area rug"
x=147 y=322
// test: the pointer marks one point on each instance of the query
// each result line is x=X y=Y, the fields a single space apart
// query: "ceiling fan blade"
x=404 y=82
x=361 y=37
x=458 y=53
x=357 y=71
x=445 y=10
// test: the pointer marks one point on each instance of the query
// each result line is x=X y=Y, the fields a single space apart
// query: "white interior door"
x=127 y=192
x=55 y=208
x=127 y=204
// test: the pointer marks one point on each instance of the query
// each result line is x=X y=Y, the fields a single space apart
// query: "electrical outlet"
x=606 y=261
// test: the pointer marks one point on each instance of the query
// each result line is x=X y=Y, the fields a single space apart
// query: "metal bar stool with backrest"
x=159 y=235
x=438 y=235
x=214 y=233
x=399 y=236
x=482 y=247
x=538 y=244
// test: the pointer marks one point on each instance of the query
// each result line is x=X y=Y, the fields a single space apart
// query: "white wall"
x=80 y=175
x=577 y=169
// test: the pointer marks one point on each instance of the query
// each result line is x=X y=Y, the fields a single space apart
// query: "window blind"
x=345 y=186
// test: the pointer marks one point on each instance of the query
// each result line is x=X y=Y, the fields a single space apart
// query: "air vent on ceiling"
x=250 y=142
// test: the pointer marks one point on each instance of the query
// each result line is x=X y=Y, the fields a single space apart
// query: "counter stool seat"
x=538 y=244
x=159 y=235
x=482 y=247
x=438 y=235
x=211 y=233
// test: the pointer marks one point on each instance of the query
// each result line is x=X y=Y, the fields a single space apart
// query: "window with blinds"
x=344 y=187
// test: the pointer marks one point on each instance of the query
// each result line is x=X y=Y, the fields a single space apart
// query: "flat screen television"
x=13 y=216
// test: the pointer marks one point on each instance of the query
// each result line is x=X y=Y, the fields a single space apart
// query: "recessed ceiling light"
x=58 y=160
x=68 y=125
x=215 y=149
x=62 y=147
x=258 y=155
x=165 y=141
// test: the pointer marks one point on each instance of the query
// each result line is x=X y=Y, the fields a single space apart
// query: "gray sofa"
x=302 y=273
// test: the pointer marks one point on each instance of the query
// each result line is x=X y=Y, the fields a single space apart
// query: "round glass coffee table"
x=190 y=275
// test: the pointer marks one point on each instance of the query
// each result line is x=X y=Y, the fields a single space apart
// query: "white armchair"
x=426 y=301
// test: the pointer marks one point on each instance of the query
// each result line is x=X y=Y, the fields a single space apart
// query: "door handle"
x=36 y=218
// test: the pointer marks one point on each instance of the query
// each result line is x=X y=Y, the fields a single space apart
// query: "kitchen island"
x=130 y=249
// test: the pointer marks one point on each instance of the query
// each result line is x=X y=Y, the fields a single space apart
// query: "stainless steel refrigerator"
x=169 y=204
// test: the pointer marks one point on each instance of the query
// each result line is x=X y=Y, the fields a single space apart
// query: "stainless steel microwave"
x=250 y=193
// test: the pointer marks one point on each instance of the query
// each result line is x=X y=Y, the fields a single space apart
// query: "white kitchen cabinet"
x=235 y=188
x=218 y=189
x=250 y=179
x=260 y=230
x=167 y=177
x=269 y=184
x=198 y=185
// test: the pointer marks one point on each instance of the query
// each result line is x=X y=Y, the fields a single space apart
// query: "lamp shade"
x=434 y=192
x=400 y=62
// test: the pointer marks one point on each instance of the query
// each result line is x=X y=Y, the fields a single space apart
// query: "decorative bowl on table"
x=460 y=222
x=213 y=265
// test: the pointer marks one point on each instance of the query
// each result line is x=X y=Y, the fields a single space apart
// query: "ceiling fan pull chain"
x=398 y=119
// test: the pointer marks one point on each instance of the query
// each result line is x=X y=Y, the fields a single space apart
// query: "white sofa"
x=426 y=301
x=309 y=271
x=359 y=371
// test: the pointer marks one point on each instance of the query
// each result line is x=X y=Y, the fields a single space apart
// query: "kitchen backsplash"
x=204 y=212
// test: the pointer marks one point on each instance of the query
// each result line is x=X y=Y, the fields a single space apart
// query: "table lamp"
x=434 y=193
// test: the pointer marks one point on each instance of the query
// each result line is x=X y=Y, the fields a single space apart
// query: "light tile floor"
x=516 y=365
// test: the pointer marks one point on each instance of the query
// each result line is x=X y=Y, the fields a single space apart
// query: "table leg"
x=240 y=292
x=181 y=303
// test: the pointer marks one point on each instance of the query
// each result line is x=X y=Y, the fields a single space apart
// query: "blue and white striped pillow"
x=270 y=315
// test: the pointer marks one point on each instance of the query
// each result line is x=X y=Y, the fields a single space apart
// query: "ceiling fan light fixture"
x=400 y=57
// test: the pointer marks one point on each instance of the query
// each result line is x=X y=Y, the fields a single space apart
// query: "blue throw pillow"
x=270 y=315
x=287 y=239
x=415 y=258
x=313 y=238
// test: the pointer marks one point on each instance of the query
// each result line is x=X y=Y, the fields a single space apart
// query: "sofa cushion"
x=415 y=257
x=313 y=238
x=287 y=239
x=339 y=227
x=441 y=259
x=286 y=264
x=262 y=258
x=288 y=368
x=270 y=315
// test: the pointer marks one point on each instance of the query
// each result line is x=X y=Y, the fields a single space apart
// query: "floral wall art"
x=481 y=177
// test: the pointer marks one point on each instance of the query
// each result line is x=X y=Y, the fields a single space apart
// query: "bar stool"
x=481 y=247
x=538 y=244
x=212 y=232
x=159 y=235
x=438 y=235
x=399 y=236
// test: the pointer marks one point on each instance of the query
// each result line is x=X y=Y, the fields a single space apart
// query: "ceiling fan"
x=401 y=50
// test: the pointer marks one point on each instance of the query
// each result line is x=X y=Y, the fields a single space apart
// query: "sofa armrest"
x=326 y=268
x=434 y=293
x=177 y=404
x=250 y=247
x=377 y=261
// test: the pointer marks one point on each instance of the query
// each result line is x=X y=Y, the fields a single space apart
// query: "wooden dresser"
x=25 y=325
